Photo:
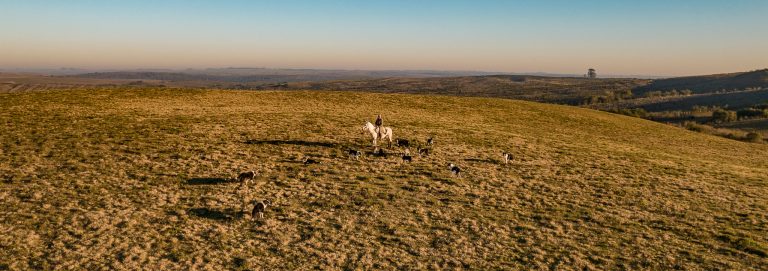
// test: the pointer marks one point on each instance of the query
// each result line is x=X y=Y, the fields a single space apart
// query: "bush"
x=751 y=113
x=623 y=94
x=704 y=108
x=633 y=112
x=651 y=94
x=693 y=126
x=754 y=137
x=671 y=93
x=727 y=133
x=721 y=115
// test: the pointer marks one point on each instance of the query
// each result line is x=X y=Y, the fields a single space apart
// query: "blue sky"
x=616 y=37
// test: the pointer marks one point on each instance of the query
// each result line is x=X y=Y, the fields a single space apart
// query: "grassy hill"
x=130 y=178
x=710 y=83
x=564 y=90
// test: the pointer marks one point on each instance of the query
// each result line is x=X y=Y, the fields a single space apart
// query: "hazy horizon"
x=77 y=70
x=652 y=38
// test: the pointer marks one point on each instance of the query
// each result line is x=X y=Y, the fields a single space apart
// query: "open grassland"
x=132 y=178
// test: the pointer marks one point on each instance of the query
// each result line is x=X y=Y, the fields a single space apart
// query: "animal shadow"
x=220 y=215
x=207 y=181
x=292 y=142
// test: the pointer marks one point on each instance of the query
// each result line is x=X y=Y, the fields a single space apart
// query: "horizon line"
x=489 y=72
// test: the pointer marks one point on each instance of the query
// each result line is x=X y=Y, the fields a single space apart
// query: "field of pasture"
x=130 y=178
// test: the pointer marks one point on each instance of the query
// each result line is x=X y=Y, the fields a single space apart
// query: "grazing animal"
x=380 y=153
x=376 y=135
x=258 y=208
x=245 y=177
x=430 y=141
x=423 y=151
x=455 y=169
x=507 y=157
x=407 y=156
x=355 y=154
x=309 y=161
x=402 y=143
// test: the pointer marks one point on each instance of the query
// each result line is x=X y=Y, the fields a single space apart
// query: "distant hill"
x=570 y=90
x=710 y=83
x=564 y=90
x=222 y=78
x=264 y=75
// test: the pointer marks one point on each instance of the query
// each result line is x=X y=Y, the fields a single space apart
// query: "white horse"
x=386 y=133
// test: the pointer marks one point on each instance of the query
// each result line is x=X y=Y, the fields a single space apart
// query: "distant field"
x=135 y=178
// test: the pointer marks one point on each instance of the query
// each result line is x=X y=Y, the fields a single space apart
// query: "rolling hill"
x=257 y=76
x=130 y=178
x=564 y=90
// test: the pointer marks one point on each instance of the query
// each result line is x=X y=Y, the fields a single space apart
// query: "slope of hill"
x=139 y=178
x=568 y=90
x=710 y=83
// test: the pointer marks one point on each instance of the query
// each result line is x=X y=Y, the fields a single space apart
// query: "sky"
x=666 y=38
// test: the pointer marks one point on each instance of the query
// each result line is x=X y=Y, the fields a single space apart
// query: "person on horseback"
x=378 y=124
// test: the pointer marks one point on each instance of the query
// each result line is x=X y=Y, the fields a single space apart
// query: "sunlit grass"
x=129 y=178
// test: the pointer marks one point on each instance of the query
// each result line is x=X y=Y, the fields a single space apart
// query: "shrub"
x=633 y=112
x=623 y=94
x=671 y=93
x=721 y=115
x=693 y=126
x=754 y=137
x=751 y=113
x=651 y=94
x=727 y=133
x=704 y=108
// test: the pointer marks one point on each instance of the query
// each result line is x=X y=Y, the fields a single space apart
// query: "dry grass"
x=128 y=179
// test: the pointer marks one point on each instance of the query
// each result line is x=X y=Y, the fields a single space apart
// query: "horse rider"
x=378 y=124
